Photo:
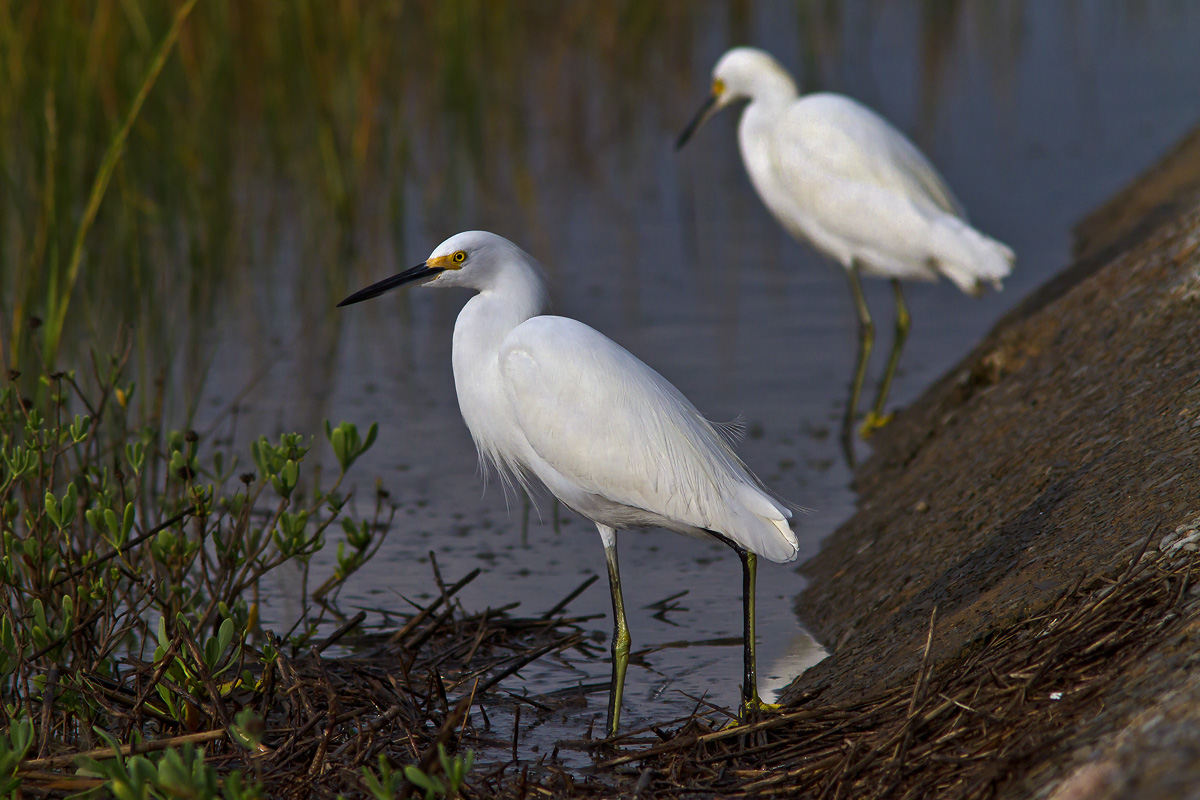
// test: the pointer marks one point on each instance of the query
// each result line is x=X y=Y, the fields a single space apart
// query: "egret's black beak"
x=418 y=274
x=706 y=111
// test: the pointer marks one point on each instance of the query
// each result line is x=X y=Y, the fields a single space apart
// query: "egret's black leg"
x=866 y=339
x=750 y=698
x=749 y=580
x=877 y=419
x=621 y=639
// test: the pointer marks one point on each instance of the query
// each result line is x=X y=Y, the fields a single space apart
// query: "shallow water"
x=1034 y=117
x=1034 y=112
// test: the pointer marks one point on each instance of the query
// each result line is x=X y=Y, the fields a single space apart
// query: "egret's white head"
x=747 y=73
x=743 y=73
x=472 y=259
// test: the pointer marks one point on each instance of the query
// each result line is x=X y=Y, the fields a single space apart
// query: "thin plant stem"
x=61 y=300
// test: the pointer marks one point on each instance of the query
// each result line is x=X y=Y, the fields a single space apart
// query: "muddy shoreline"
x=1062 y=447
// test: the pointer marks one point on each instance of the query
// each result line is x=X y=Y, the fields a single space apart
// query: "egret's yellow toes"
x=872 y=423
x=757 y=704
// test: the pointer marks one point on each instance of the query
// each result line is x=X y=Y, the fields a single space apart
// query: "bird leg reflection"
x=877 y=419
x=866 y=338
x=621 y=639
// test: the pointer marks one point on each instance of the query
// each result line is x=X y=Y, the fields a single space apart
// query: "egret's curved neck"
x=512 y=295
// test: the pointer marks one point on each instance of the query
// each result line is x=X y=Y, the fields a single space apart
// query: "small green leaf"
x=127 y=523
x=69 y=505
x=52 y=509
x=247 y=729
x=372 y=432
x=80 y=427
x=225 y=634
x=39 y=613
x=419 y=778
x=113 y=524
x=135 y=454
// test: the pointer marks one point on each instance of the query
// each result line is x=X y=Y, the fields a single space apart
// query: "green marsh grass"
x=156 y=154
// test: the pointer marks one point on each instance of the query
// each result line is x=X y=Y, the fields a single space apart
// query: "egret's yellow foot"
x=758 y=704
x=755 y=706
x=872 y=423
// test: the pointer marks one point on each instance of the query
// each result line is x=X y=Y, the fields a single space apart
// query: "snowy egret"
x=836 y=174
x=549 y=398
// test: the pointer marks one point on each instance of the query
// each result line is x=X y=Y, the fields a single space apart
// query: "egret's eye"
x=459 y=257
x=718 y=87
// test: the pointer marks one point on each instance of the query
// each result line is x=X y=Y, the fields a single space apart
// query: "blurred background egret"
x=845 y=181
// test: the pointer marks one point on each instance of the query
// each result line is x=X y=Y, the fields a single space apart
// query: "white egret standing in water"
x=549 y=398
x=837 y=175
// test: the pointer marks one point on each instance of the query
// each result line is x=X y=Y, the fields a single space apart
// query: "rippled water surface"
x=555 y=128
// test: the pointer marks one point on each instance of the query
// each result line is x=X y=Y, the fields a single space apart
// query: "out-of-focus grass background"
x=335 y=102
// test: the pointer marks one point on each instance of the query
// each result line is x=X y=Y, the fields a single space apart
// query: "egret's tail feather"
x=784 y=547
x=764 y=528
x=968 y=258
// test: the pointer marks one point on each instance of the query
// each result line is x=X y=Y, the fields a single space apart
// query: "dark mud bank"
x=1059 y=459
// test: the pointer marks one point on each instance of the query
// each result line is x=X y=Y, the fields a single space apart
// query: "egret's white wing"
x=852 y=184
x=843 y=138
x=616 y=429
